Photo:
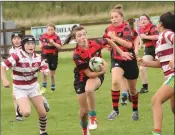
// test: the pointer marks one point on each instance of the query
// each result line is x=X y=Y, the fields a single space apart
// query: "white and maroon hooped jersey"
x=14 y=50
x=164 y=51
x=25 y=69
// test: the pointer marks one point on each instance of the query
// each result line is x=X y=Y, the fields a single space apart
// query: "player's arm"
x=125 y=55
x=92 y=74
x=40 y=45
x=154 y=64
x=5 y=65
x=119 y=40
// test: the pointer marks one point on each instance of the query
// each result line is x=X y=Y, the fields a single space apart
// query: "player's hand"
x=142 y=36
x=171 y=63
x=141 y=62
x=126 y=55
x=51 y=41
x=6 y=83
x=111 y=34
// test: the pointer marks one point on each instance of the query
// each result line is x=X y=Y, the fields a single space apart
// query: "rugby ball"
x=95 y=63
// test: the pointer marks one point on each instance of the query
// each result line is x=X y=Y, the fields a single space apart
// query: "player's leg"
x=22 y=102
x=143 y=74
x=164 y=93
x=132 y=81
x=125 y=89
x=117 y=74
x=53 y=63
x=37 y=101
x=44 y=77
x=91 y=85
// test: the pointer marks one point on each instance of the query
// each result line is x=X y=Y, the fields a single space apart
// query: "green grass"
x=63 y=117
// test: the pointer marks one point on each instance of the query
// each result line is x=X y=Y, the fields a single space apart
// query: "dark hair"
x=146 y=17
x=118 y=8
x=168 y=21
x=72 y=34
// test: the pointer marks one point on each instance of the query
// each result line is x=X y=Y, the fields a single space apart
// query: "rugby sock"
x=145 y=86
x=42 y=122
x=53 y=87
x=115 y=99
x=134 y=100
x=18 y=114
x=44 y=84
x=84 y=125
x=124 y=94
x=157 y=130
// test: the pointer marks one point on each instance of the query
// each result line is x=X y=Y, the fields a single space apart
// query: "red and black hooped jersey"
x=124 y=32
x=47 y=48
x=149 y=30
x=81 y=57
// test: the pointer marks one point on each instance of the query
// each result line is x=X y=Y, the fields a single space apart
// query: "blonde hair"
x=118 y=8
x=51 y=25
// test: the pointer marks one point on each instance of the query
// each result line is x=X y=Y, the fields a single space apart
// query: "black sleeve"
x=102 y=42
x=80 y=63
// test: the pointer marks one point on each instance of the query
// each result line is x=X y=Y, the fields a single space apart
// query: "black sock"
x=145 y=86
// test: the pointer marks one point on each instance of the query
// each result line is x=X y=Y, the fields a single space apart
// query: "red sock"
x=115 y=99
x=134 y=100
x=157 y=130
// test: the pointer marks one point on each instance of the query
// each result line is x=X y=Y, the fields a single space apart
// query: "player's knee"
x=89 y=90
x=142 y=69
x=155 y=100
x=116 y=85
x=25 y=113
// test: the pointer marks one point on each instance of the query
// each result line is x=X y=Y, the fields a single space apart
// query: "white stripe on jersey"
x=166 y=68
x=25 y=78
x=161 y=50
x=14 y=50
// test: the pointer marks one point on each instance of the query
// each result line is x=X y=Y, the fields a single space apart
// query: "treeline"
x=40 y=9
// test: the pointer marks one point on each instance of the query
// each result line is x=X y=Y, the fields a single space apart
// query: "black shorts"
x=52 y=60
x=150 y=51
x=80 y=86
x=130 y=68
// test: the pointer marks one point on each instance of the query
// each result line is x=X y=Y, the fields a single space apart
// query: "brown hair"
x=118 y=8
x=72 y=35
x=146 y=17
x=51 y=25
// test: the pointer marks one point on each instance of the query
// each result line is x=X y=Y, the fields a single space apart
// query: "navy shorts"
x=150 y=51
x=80 y=86
x=52 y=61
x=130 y=68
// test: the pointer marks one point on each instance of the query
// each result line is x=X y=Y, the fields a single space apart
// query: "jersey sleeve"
x=10 y=62
x=105 y=35
x=58 y=41
x=80 y=63
x=154 y=30
x=169 y=35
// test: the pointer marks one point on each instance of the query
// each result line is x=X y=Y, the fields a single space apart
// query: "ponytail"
x=118 y=8
x=72 y=34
